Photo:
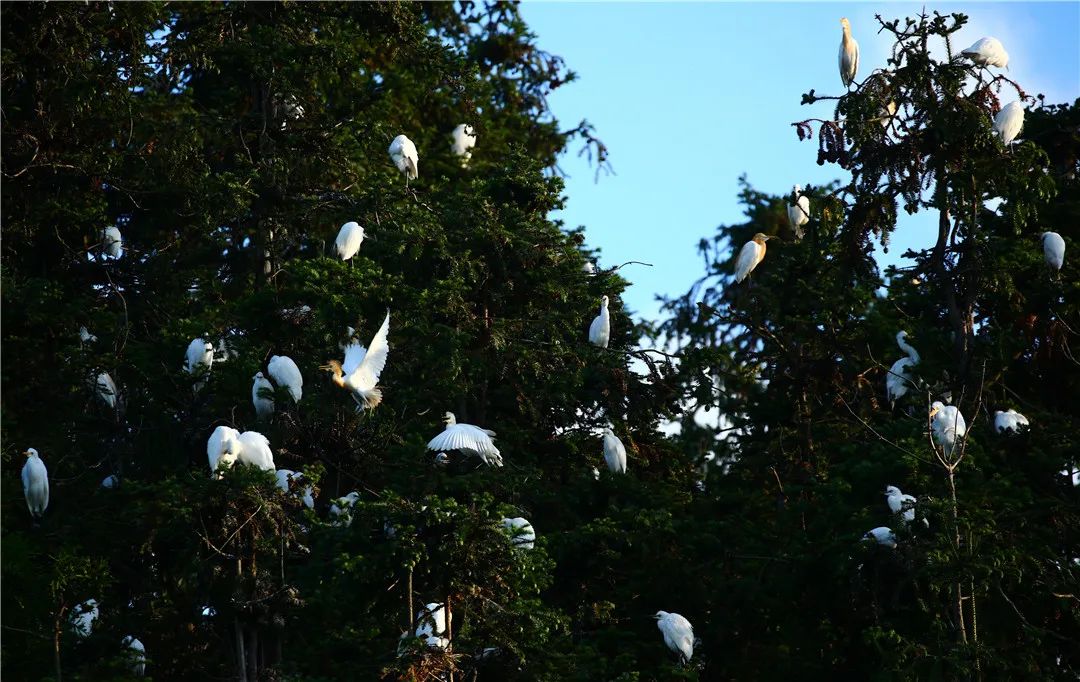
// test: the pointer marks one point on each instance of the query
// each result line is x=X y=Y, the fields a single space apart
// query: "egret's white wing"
x=284 y=372
x=681 y=633
x=463 y=437
x=255 y=450
x=372 y=361
x=746 y=260
x=349 y=239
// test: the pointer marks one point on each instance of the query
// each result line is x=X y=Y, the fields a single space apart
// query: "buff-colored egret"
x=341 y=509
x=1053 y=249
x=751 y=254
x=105 y=389
x=521 y=532
x=285 y=477
x=136 y=655
x=883 y=535
x=110 y=481
x=359 y=374
x=285 y=373
x=600 y=329
x=83 y=616
x=464 y=139
x=798 y=214
x=988 y=52
x=471 y=440
x=222 y=448
x=35 y=482
x=403 y=154
x=349 y=239
x=678 y=634
x=947 y=425
x=898 y=380
x=1009 y=121
x=85 y=336
x=849 y=54
x=262 y=392
x=614 y=452
x=112 y=242
x=899 y=502
x=1010 y=421
x=255 y=450
x=431 y=626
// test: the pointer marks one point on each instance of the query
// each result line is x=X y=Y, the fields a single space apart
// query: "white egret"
x=304 y=492
x=1009 y=121
x=887 y=112
x=600 y=329
x=264 y=404
x=751 y=254
x=1053 y=249
x=136 y=655
x=349 y=239
x=614 y=452
x=470 y=439
x=947 y=424
x=464 y=141
x=110 y=481
x=589 y=268
x=223 y=447
x=403 y=154
x=988 y=52
x=341 y=509
x=35 y=482
x=1010 y=421
x=849 y=54
x=678 y=634
x=255 y=450
x=883 y=536
x=105 y=388
x=521 y=532
x=83 y=617
x=431 y=626
x=360 y=372
x=198 y=360
x=898 y=379
x=85 y=336
x=112 y=242
x=798 y=214
x=899 y=502
x=350 y=336
x=285 y=373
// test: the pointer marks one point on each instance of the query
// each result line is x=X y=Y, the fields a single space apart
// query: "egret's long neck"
x=911 y=352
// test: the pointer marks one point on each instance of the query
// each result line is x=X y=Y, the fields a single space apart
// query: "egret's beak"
x=371 y=237
x=27 y=453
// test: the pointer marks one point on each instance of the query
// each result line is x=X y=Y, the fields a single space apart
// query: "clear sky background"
x=688 y=96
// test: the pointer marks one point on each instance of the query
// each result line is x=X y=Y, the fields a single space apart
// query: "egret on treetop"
x=464 y=141
x=614 y=452
x=255 y=450
x=1053 y=249
x=1010 y=421
x=798 y=214
x=898 y=378
x=899 y=502
x=360 y=372
x=285 y=373
x=600 y=329
x=83 y=617
x=849 y=54
x=349 y=239
x=947 y=424
x=403 y=154
x=136 y=654
x=470 y=439
x=264 y=405
x=35 y=482
x=522 y=534
x=304 y=492
x=883 y=535
x=105 y=389
x=678 y=634
x=589 y=268
x=341 y=509
x=988 y=52
x=751 y=254
x=223 y=446
x=1009 y=121
x=112 y=242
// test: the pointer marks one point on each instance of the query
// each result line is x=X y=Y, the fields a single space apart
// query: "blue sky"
x=688 y=96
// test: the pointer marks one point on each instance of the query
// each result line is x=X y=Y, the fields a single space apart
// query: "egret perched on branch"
x=199 y=359
x=887 y=112
x=105 y=388
x=883 y=535
x=1009 y=121
x=403 y=154
x=849 y=54
x=898 y=378
x=85 y=336
x=341 y=509
x=349 y=239
x=223 y=446
x=1010 y=421
x=600 y=329
x=470 y=439
x=255 y=450
x=83 y=617
x=614 y=452
x=1053 y=249
x=751 y=254
x=136 y=655
x=798 y=214
x=589 y=268
x=359 y=374
x=431 y=626
x=285 y=373
x=112 y=242
x=521 y=532
x=264 y=405
x=464 y=141
x=988 y=52
x=35 y=483
x=678 y=634
x=899 y=502
x=287 y=476
x=110 y=481
x=947 y=424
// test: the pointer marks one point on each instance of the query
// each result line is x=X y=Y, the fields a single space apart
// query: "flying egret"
x=849 y=54
x=1010 y=421
x=83 y=617
x=883 y=535
x=798 y=214
x=255 y=450
x=110 y=481
x=521 y=532
x=751 y=254
x=678 y=634
x=136 y=655
x=35 y=483
x=899 y=502
x=470 y=439
x=600 y=329
x=264 y=404
x=614 y=452
x=349 y=239
x=304 y=492
x=223 y=447
x=898 y=378
x=431 y=626
x=105 y=388
x=112 y=242
x=1053 y=249
x=359 y=374
x=285 y=373
x=947 y=425
x=341 y=509
x=464 y=141
x=198 y=360
x=1009 y=121
x=85 y=336
x=988 y=52
x=403 y=154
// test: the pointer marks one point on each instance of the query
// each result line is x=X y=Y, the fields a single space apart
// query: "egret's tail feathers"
x=372 y=398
